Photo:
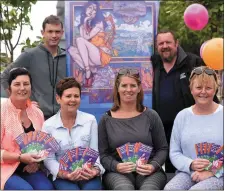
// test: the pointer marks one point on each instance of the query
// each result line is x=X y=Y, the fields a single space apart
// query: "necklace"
x=23 y=117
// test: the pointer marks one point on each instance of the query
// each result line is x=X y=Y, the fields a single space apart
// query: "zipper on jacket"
x=53 y=78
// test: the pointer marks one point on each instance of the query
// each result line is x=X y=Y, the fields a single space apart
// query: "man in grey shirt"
x=46 y=64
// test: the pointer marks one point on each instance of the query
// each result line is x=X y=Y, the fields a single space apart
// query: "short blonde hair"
x=204 y=78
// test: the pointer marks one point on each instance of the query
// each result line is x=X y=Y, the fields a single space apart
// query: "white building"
x=60 y=13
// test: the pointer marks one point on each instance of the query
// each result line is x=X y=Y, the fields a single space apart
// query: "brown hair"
x=116 y=96
x=52 y=19
x=204 y=78
x=65 y=84
x=15 y=72
x=167 y=31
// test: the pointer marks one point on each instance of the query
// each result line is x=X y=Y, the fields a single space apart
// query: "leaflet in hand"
x=212 y=152
x=76 y=158
x=137 y=153
x=37 y=142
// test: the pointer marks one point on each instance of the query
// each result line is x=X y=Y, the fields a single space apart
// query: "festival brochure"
x=122 y=151
x=217 y=167
x=212 y=152
x=138 y=153
x=143 y=153
x=220 y=152
x=37 y=142
x=77 y=158
x=90 y=157
x=131 y=157
x=63 y=163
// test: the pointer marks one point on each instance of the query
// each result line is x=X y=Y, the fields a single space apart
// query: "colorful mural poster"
x=103 y=37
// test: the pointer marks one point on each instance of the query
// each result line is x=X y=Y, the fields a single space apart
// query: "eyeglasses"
x=200 y=70
x=129 y=71
x=21 y=68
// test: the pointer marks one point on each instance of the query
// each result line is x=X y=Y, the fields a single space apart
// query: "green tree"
x=28 y=44
x=4 y=60
x=171 y=16
x=13 y=14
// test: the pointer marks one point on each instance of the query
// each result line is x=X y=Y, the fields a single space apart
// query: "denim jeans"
x=26 y=181
x=93 y=184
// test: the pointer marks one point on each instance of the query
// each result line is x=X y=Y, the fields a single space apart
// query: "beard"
x=170 y=58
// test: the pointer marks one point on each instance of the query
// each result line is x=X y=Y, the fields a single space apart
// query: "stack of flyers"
x=212 y=152
x=77 y=158
x=217 y=167
x=138 y=153
x=37 y=142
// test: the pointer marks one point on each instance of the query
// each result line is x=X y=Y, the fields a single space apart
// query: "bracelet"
x=190 y=166
x=62 y=175
x=98 y=169
x=19 y=158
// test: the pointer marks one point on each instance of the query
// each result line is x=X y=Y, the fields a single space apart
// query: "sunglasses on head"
x=21 y=68
x=200 y=70
x=129 y=71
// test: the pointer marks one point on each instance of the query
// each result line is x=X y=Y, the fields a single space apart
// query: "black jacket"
x=185 y=63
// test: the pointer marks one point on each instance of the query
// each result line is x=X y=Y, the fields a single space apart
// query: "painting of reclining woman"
x=92 y=49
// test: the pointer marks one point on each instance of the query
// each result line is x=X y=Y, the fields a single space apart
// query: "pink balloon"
x=196 y=16
x=201 y=49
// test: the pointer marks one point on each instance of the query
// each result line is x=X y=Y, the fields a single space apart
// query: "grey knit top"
x=146 y=128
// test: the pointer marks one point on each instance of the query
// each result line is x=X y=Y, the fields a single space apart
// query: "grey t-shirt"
x=146 y=128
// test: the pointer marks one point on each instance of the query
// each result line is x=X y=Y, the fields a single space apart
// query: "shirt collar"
x=173 y=68
x=80 y=120
x=16 y=109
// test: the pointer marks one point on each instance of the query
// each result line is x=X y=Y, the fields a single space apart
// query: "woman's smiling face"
x=70 y=100
x=20 y=88
x=128 y=89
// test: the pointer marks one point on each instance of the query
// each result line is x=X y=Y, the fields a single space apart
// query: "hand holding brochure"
x=37 y=142
x=137 y=153
x=78 y=158
x=212 y=152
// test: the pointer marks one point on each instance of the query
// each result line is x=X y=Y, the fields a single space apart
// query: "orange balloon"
x=212 y=53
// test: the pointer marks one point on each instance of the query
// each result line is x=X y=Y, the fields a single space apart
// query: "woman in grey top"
x=130 y=121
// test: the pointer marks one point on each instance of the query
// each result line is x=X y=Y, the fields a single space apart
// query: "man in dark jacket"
x=46 y=64
x=172 y=68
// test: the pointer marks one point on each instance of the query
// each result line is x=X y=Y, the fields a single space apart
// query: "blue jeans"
x=26 y=181
x=93 y=184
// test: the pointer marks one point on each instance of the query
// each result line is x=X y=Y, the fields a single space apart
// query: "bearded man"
x=172 y=68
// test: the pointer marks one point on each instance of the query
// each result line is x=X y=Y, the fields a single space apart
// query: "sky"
x=38 y=13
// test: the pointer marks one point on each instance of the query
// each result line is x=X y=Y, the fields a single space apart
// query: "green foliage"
x=171 y=16
x=27 y=43
x=4 y=60
x=14 y=14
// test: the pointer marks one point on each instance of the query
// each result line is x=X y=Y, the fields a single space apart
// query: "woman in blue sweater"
x=202 y=122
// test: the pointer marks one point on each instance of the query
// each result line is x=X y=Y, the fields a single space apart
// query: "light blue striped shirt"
x=84 y=133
